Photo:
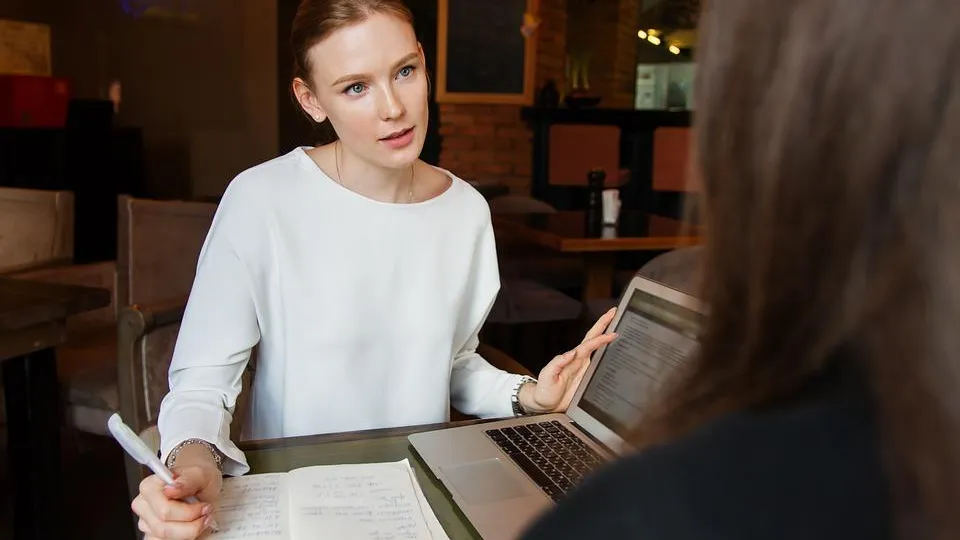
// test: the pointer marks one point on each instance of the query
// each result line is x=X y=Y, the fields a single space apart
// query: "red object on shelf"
x=33 y=101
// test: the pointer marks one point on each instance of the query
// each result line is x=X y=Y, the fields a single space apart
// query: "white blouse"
x=365 y=313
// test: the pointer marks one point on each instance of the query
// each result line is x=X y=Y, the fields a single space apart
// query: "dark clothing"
x=806 y=469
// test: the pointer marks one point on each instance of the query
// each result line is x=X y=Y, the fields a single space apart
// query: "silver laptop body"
x=483 y=466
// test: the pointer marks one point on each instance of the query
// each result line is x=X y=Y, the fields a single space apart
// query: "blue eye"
x=406 y=71
x=354 y=89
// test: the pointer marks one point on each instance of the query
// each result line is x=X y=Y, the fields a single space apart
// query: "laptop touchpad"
x=484 y=481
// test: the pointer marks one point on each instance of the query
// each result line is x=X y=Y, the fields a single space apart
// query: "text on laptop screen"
x=655 y=337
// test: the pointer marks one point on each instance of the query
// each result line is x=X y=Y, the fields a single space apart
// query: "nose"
x=390 y=106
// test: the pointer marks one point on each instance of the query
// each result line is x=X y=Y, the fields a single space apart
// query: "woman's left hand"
x=560 y=378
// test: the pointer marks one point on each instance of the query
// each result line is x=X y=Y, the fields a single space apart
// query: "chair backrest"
x=576 y=149
x=158 y=246
x=672 y=169
x=36 y=228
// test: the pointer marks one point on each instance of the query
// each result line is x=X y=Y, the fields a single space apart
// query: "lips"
x=397 y=134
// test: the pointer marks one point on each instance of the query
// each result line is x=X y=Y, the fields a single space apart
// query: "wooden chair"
x=159 y=242
x=36 y=228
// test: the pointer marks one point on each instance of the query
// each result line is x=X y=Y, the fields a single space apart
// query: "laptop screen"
x=655 y=336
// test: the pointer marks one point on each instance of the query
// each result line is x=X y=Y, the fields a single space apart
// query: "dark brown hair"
x=317 y=19
x=827 y=143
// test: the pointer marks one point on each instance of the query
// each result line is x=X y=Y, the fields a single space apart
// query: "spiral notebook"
x=369 y=501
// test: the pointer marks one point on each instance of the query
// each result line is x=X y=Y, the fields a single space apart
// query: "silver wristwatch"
x=515 y=396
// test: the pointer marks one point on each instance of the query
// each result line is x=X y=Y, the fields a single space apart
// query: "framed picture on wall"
x=486 y=51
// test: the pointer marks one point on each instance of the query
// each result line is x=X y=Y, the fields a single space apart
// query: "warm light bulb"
x=674 y=49
x=641 y=34
x=653 y=39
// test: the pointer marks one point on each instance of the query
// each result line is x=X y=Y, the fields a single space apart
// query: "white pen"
x=139 y=451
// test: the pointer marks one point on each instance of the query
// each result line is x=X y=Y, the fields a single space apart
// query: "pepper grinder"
x=595 y=181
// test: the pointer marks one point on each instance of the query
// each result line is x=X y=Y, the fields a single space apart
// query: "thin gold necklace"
x=336 y=157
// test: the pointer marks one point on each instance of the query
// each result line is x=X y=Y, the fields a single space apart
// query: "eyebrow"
x=355 y=76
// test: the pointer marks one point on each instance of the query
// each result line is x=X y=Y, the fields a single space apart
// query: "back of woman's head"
x=827 y=136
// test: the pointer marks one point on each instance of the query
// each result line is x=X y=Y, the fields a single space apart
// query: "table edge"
x=256 y=445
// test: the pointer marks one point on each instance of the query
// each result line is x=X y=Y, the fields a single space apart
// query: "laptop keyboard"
x=549 y=453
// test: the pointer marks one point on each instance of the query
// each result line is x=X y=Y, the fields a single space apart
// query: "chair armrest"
x=133 y=323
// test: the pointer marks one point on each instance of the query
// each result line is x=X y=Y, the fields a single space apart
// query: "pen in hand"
x=141 y=453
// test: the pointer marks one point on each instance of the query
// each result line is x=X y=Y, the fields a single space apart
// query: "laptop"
x=504 y=474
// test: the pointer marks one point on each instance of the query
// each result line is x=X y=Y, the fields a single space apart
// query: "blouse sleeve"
x=219 y=330
x=478 y=388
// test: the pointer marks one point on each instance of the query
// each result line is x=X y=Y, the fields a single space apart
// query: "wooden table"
x=282 y=455
x=572 y=232
x=33 y=322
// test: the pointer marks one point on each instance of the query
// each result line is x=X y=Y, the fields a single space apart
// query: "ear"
x=308 y=100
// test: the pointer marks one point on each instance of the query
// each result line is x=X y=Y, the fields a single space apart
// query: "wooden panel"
x=672 y=169
x=575 y=149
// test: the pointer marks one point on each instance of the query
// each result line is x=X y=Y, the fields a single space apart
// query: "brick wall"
x=491 y=141
x=625 y=62
x=606 y=32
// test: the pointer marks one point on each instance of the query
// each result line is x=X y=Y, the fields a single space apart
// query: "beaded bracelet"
x=217 y=457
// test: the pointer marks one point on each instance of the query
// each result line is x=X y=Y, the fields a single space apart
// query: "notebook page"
x=436 y=530
x=253 y=507
x=375 y=501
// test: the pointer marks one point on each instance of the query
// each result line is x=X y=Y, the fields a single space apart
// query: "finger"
x=571 y=388
x=601 y=325
x=578 y=378
x=159 y=502
x=555 y=366
x=189 y=481
x=588 y=347
x=580 y=373
x=177 y=530
x=144 y=528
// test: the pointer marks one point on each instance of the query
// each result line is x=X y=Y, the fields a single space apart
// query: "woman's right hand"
x=164 y=515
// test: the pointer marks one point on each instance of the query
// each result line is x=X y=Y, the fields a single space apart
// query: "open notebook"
x=370 y=501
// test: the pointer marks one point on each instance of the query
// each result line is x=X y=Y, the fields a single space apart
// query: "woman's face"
x=369 y=79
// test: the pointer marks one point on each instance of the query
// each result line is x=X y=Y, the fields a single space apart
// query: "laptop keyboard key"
x=552 y=456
